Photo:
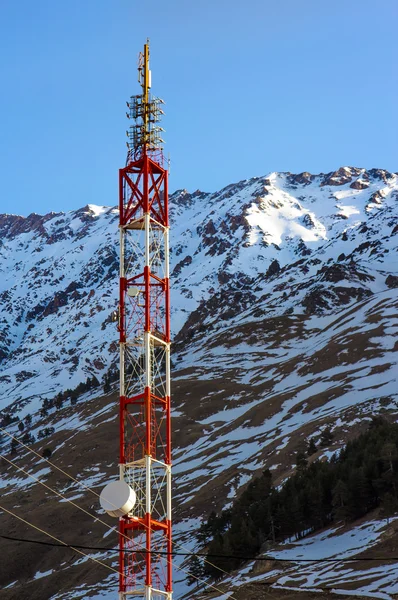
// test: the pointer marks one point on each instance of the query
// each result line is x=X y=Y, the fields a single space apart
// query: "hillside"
x=285 y=309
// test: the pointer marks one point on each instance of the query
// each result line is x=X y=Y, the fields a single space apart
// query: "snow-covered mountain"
x=58 y=271
x=284 y=311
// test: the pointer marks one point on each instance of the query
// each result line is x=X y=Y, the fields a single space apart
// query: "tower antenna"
x=141 y=498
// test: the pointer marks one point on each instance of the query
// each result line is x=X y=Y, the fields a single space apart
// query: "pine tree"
x=242 y=537
x=389 y=454
x=14 y=446
x=326 y=437
x=216 y=560
x=47 y=452
x=58 y=402
x=28 y=438
x=315 y=505
x=196 y=570
x=311 y=447
x=213 y=526
x=359 y=500
x=339 y=501
x=94 y=382
x=107 y=384
x=301 y=461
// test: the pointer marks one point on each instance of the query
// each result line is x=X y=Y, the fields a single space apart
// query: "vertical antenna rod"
x=142 y=496
x=146 y=84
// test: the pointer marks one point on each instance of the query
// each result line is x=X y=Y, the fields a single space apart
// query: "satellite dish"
x=133 y=292
x=117 y=498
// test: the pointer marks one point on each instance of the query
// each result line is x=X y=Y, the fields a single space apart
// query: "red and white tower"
x=144 y=323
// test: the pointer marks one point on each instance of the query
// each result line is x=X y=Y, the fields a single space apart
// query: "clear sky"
x=251 y=86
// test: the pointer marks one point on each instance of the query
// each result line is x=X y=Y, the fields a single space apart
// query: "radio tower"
x=141 y=498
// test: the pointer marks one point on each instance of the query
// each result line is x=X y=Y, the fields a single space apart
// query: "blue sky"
x=250 y=87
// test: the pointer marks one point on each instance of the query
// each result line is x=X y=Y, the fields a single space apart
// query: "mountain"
x=284 y=312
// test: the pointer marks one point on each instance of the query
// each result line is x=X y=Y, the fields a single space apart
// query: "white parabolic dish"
x=117 y=498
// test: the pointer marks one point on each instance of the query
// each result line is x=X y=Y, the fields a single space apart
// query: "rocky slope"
x=285 y=309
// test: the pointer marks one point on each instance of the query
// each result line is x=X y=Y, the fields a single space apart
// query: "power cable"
x=199 y=554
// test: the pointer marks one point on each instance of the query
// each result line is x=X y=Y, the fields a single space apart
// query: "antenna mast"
x=145 y=111
x=143 y=495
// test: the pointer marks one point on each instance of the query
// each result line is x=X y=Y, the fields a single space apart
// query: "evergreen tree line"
x=24 y=425
x=361 y=477
x=70 y=394
x=7 y=417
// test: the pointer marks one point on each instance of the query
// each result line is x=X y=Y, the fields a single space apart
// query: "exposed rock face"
x=185 y=262
x=359 y=185
x=392 y=281
x=339 y=177
x=304 y=178
x=273 y=269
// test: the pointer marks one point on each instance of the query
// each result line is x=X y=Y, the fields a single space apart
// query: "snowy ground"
x=378 y=580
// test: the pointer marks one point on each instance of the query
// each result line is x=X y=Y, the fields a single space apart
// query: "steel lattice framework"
x=144 y=326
